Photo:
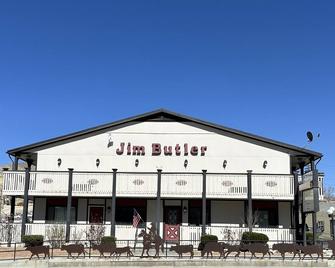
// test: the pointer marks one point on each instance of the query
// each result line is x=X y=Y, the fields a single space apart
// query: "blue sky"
x=265 y=67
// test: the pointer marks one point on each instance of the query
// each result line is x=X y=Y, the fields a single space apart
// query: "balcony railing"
x=173 y=185
x=177 y=185
x=229 y=185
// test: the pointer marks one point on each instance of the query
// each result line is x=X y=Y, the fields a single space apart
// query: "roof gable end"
x=166 y=115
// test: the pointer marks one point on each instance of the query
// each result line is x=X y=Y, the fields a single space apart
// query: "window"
x=265 y=213
x=195 y=212
x=56 y=210
x=57 y=214
x=321 y=226
x=125 y=211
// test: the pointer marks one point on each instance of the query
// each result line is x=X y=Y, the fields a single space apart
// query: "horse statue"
x=151 y=240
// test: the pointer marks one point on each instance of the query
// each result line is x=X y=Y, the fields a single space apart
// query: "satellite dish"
x=309 y=136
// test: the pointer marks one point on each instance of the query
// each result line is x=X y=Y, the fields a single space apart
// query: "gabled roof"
x=303 y=154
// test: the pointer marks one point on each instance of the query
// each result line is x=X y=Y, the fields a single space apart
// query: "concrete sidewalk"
x=68 y=263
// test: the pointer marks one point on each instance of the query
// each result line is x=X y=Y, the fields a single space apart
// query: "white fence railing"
x=84 y=232
x=231 y=233
x=136 y=184
x=12 y=231
x=176 y=185
x=48 y=183
x=181 y=185
x=13 y=182
x=92 y=184
x=232 y=186
x=276 y=186
x=126 y=233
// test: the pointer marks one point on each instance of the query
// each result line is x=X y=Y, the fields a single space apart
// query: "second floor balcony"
x=173 y=185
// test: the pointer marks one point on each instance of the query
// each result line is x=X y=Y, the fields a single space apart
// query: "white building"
x=173 y=169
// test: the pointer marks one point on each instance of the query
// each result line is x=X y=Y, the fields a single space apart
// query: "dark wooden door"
x=172 y=215
x=96 y=214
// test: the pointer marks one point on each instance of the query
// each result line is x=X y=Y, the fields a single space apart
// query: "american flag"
x=136 y=218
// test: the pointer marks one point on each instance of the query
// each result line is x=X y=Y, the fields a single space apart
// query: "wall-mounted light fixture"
x=137 y=162
x=97 y=162
x=185 y=209
x=185 y=163
x=224 y=164
x=59 y=162
x=265 y=164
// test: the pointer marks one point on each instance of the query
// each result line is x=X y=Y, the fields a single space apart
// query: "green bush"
x=206 y=238
x=251 y=237
x=32 y=240
x=108 y=240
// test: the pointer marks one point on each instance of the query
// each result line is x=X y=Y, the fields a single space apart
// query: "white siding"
x=108 y=211
x=230 y=212
x=185 y=215
x=151 y=211
x=284 y=214
x=240 y=155
x=40 y=206
x=82 y=210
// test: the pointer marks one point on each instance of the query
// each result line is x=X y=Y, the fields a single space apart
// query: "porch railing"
x=127 y=232
x=231 y=232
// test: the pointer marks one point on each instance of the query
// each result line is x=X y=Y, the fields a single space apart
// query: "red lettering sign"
x=157 y=149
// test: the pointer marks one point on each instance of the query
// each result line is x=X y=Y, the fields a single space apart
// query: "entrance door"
x=172 y=215
x=96 y=214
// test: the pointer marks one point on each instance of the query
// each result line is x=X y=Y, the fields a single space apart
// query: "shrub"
x=206 y=238
x=108 y=240
x=95 y=232
x=56 y=235
x=32 y=240
x=251 y=237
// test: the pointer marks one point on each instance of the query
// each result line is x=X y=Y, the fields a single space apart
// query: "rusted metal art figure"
x=112 y=249
x=312 y=249
x=151 y=240
x=180 y=249
x=232 y=248
x=36 y=250
x=152 y=231
x=119 y=251
x=262 y=248
x=104 y=248
x=211 y=247
x=283 y=248
x=331 y=245
x=74 y=248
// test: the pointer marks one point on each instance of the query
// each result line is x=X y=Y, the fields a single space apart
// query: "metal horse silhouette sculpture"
x=151 y=240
